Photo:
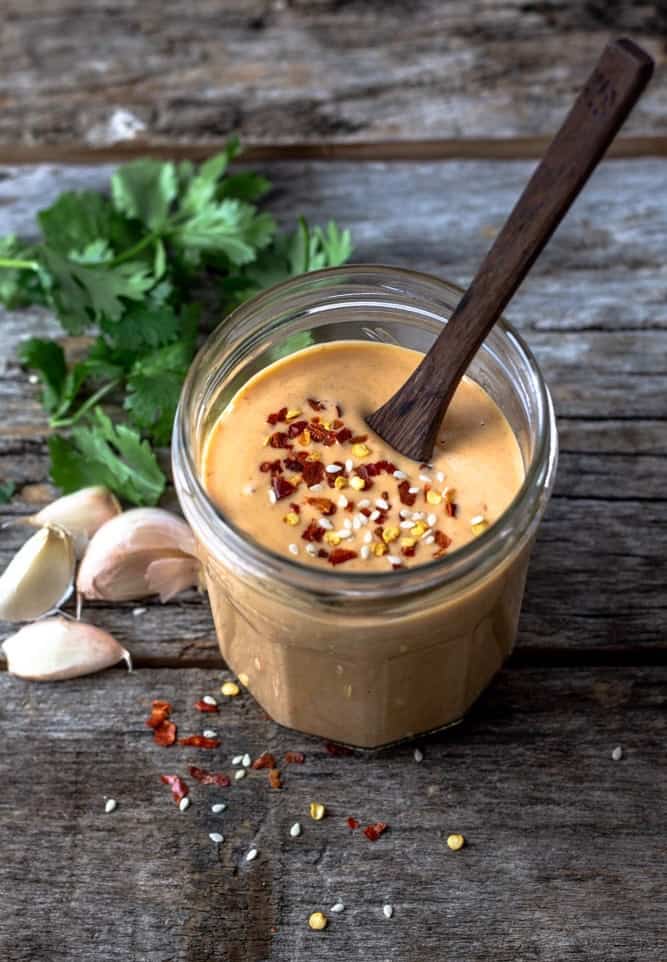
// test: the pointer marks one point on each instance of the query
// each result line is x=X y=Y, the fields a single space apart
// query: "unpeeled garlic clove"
x=116 y=564
x=39 y=577
x=81 y=514
x=57 y=648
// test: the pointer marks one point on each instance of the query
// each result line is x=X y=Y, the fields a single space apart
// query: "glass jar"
x=363 y=659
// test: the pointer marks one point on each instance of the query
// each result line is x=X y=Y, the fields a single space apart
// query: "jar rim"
x=510 y=531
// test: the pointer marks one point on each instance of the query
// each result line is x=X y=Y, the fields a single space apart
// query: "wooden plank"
x=302 y=71
x=564 y=857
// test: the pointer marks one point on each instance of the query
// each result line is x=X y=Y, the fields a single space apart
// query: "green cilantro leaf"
x=202 y=187
x=145 y=190
x=145 y=326
x=231 y=227
x=80 y=218
x=7 y=489
x=48 y=359
x=107 y=454
x=154 y=388
x=246 y=186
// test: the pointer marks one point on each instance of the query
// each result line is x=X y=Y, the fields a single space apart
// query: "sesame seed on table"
x=533 y=830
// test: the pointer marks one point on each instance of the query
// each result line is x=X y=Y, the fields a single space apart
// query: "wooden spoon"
x=409 y=421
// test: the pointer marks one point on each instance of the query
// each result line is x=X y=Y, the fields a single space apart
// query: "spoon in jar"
x=410 y=419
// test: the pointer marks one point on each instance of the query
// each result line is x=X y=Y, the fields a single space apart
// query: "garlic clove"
x=40 y=576
x=57 y=648
x=81 y=514
x=118 y=558
x=167 y=576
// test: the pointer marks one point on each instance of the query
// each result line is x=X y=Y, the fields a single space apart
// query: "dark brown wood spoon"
x=409 y=420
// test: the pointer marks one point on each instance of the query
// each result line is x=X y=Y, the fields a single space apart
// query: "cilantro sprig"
x=127 y=269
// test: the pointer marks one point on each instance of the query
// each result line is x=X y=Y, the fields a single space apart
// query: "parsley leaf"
x=7 y=489
x=48 y=359
x=108 y=454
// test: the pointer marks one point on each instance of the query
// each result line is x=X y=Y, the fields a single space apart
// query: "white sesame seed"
x=311 y=550
x=184 y=804
x=218 y=807
x=478 y=519
x=347 y=523
x=400 y=475
x=440 y=476
x=365 y=503
x=246 y=761
x=617 y=753
x=315 y=487
x=406 y=524
x=431 y=519
x=110 y=805
x=326 y=524
x=374 y=515
x=418 y=755
x=404 y=513
x=428 y=539
x=393 y=559
x=417 y=515
x=388 y=911
x=252 y=855
x=209 y=733
x=241 y=773
x=209 y=700
x=249 y=488
x=344 y=533
x=349 y=464
x=137 y=612
x=337 y=908
x=237 y=759
x=382 y=504
x=343 y=502
x=413 y=490
x=216 y=838
x=295 y=830
x=333 y=468
x=356 y=523
x=368 y=537
x=425 y=478
x=365 y=552
x=363 y=520
x=272 y=496
x=293 y=548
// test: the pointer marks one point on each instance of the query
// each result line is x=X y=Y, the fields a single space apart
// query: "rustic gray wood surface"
x=285 y=71
x=566 y=848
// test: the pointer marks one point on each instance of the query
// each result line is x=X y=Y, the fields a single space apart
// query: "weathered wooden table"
x=565 y=854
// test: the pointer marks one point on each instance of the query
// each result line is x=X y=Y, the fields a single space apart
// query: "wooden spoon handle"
x=411 y=418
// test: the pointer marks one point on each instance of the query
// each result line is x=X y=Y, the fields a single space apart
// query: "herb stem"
x=136 y=249
x=19 y=264
x=86 y=406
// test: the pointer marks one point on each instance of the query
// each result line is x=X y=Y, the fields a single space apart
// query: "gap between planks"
x=465 y=148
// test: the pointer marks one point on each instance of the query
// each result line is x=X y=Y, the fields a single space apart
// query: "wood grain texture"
x=594 y=312
x=295 y=70
x=565 y=854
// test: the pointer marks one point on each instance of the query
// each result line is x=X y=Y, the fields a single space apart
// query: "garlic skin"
x=81 y=514
x=40 y=576
x=57 y=648
x=141 y=552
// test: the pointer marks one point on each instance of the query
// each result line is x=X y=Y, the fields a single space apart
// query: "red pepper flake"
x=366 y=512
x=404 y=494
x=349 y=506
x=274 y=778
x=373 y=832
x=271 y=466
x=313 y=532
x=178 y=787
x=210 y=778
x=280 y=415
x=294 y=464
x=339 y=411
x=322 y=553
x=344 y=435
x=164 y=734
x=410 y=551
x=337 y=750
x=321 y=435
x=442 y=541
x=325 y=505
x=205 y=706
x=313 y=472
x=296 y=508
x=387 y=466
x=160 y=712
x=359 y=439
x=451 y=509
x=295 y=758
x=340 y=555
x=199 y=741
x=316 y=405
x=364 y=473
x=352 y=823
x=337 y=424
x=265 y=760
x=282 y=487
x=295 y=428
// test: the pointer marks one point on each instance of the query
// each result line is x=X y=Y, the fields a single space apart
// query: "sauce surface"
x=292 y=463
